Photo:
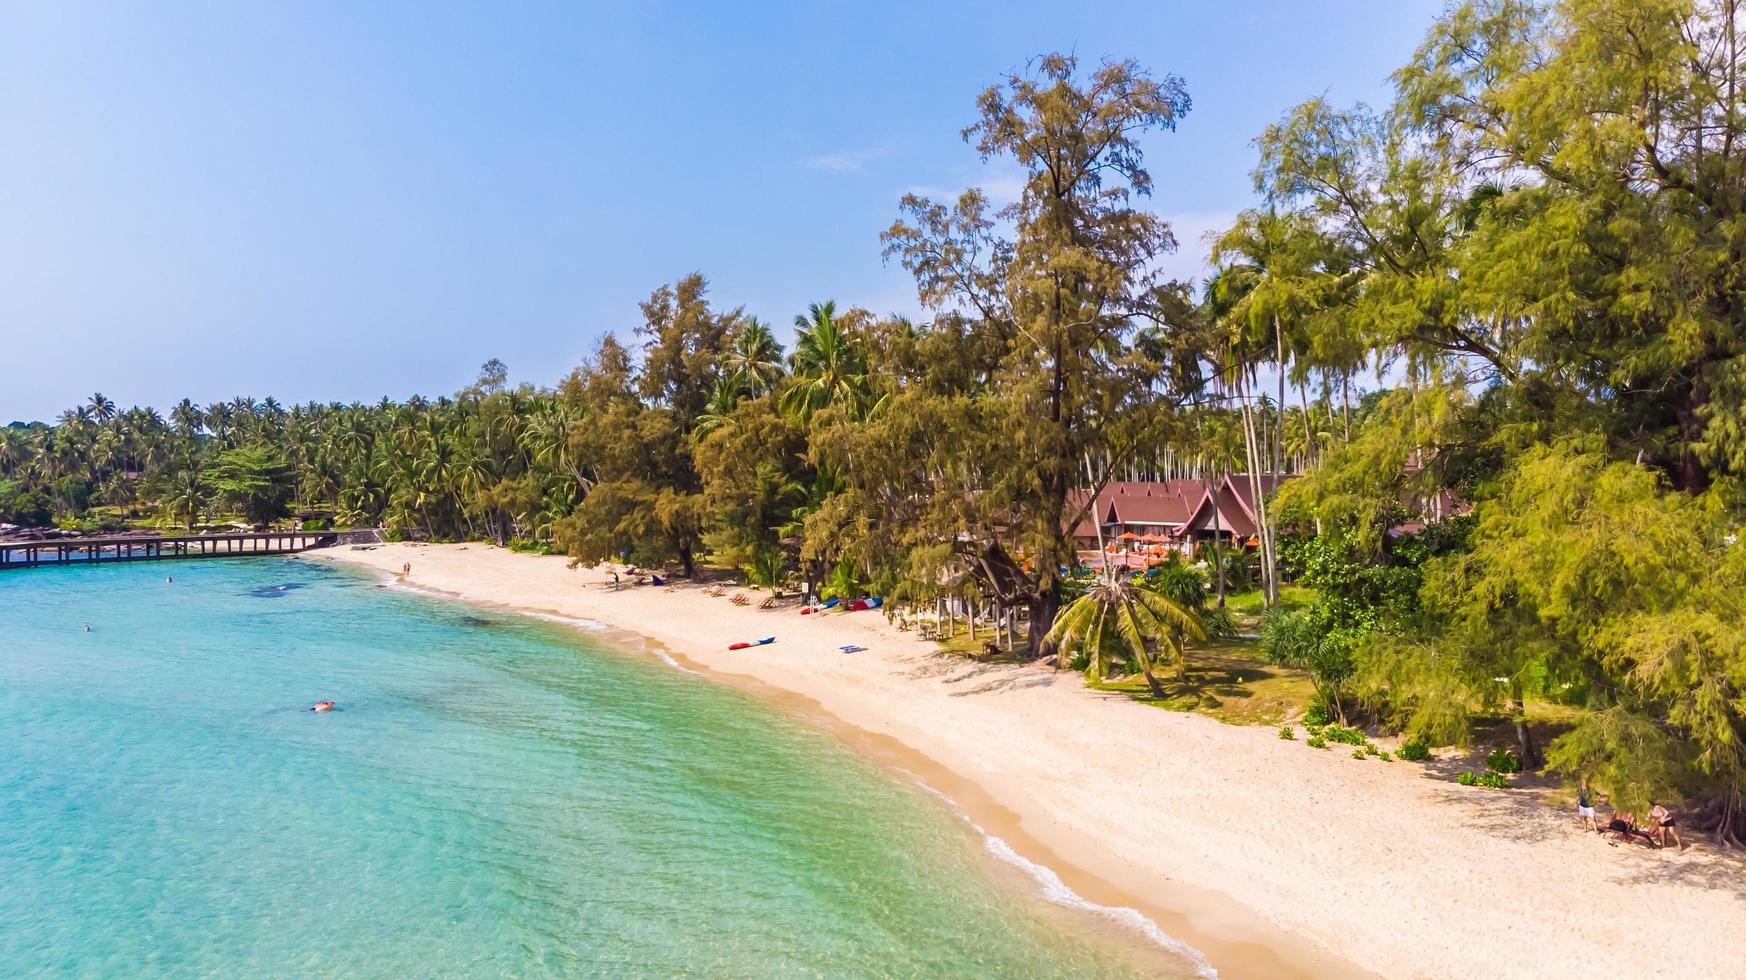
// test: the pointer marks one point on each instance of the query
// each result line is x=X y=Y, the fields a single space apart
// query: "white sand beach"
x=1272 y=858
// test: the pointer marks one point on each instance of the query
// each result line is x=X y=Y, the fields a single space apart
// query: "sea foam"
x=1053 y=889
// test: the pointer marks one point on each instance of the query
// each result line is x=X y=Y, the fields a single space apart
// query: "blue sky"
x=345 y=201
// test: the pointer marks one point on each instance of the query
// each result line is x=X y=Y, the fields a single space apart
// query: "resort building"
x=1230 y=513
x=1135 y=512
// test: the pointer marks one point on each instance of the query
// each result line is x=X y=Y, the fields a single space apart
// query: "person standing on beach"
x=1661 y=821
x=1585 y=806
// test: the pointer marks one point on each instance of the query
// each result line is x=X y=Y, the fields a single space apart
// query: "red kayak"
x=766 y=641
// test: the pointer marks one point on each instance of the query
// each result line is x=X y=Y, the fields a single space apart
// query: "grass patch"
x=1228 y=681
x=1248 y=605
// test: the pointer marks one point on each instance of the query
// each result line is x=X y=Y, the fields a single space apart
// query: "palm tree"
x=828 y=370
x=1116 y=623
x=717 y=412
x=187 y=499
x=102 y=409
x=755 y=354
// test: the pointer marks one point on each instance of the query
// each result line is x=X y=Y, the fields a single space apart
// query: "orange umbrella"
x=1130 y=536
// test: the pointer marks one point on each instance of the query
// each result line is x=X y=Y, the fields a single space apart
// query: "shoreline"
x=1269 y=858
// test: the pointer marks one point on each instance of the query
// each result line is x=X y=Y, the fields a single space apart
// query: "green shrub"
x=1343 y=735
x=1286 y=733
x=1467 y=779
x=1219 y=623
x=1370 y=748
x=1385 y=757
x=1503 y=760
x=1316 y=714
x=1318 y=742
x=1357 y=753
x=317 y=524
x=1414 y=750
x=1494 y=780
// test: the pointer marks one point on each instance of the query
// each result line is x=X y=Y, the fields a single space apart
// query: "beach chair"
x=925 y=630
x=768 y=603
x=715 y=590
x=740 y=599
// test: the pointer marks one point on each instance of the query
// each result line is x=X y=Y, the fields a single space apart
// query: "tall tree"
x=1057 y=304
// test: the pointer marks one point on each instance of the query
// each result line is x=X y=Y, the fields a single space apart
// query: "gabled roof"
x=1236 y=508
x=1166 y=503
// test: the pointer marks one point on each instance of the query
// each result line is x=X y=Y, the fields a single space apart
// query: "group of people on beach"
x=638 y=576
x=1623 y=825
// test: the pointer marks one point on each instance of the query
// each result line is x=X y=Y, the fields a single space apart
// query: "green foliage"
x=1503 y=760
x=1293 y=639
x=1358 y=753
x=1490 y=780
x=256 y=481
x=1286 y=733
x=1317 y=742
x=1316 y=714
x=1122 y=626
x=1414 y=750
x=1343 y=735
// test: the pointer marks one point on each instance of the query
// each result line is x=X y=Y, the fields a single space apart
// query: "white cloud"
x=847 y=161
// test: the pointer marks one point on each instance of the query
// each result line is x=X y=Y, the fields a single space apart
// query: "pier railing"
x=76 y=551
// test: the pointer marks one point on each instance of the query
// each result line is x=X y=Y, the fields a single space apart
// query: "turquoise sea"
x=496 y=796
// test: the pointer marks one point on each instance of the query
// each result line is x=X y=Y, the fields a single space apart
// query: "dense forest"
x=1537 y=243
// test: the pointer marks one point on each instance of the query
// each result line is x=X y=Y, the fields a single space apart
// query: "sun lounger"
x=715 y=590
x=768 y=603
x=740 y=599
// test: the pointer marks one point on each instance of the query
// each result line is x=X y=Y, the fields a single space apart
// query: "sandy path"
x=1272 y=858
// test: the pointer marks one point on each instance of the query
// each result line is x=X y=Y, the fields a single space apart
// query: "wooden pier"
x=83 y=551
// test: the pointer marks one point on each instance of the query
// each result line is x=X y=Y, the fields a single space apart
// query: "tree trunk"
x=1218 y=541
x=1689 y=472
x=1152 y=682
x=1309 y=440
x=687 y=560
x=1526 y=750
x=1346 y=405
x=1045 y=605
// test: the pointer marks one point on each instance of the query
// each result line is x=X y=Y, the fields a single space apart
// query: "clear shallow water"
x=496 y=796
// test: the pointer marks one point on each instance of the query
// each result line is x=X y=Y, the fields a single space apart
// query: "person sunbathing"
x=1624 y=827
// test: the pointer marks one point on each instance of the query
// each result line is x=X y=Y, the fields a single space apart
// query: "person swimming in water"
x=87 y=627
x=322 y=706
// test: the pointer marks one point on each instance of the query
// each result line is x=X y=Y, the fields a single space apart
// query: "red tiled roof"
x=1163 y=503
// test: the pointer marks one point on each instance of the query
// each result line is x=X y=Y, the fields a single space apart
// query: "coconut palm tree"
x=102 y=409
x=756 y=354
x=730 y=387
x=1116 y=623
x=828 y=369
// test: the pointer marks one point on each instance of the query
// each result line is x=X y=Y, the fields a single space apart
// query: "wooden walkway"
x=81 y=551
